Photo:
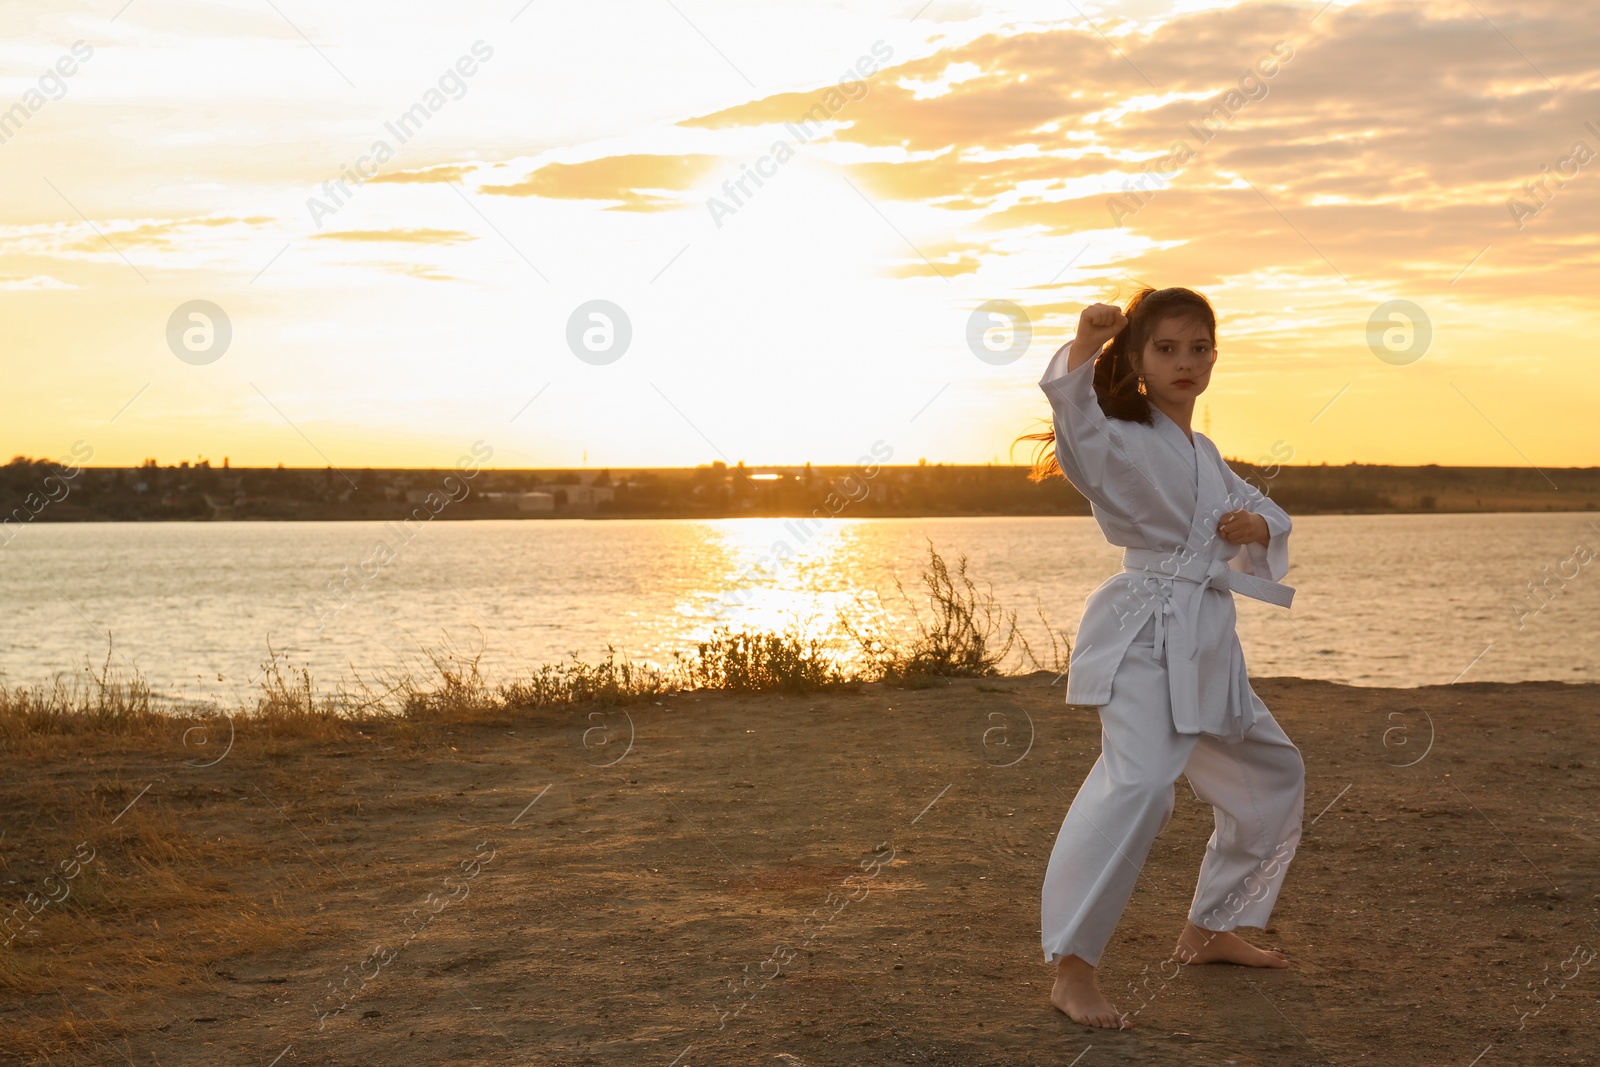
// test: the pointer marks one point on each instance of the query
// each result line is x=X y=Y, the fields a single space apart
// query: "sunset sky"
x=957 y=153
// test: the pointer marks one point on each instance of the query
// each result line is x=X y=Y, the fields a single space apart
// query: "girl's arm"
x=1270 y=560
x=1088 y=444
x=1097 y=324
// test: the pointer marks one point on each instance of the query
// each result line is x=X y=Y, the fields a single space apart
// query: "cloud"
x=448 y=173
x=424 y=271
x=161 y=236
x=15 y=282
x=415 y=236
x=1385 y=143
x=1011 y=89
x=631 y=180
x=945 y=259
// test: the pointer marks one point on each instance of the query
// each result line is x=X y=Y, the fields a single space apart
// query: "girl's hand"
x=1097 y=324
x=1244 y=528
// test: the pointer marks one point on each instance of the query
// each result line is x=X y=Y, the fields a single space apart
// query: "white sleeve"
x=1089 y=445
x=1271 y=560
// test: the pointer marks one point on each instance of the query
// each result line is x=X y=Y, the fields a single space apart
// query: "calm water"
x=1397 y=600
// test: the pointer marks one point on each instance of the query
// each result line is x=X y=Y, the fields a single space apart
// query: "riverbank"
x=625 y=883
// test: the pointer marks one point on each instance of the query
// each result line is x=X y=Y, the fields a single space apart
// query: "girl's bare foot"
x=1199 y=945
x=1076 y=994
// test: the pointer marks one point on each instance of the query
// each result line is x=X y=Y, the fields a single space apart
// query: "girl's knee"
x=1289 y=769
x=1150 y=796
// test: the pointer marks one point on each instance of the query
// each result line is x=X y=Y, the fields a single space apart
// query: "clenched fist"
x=1097 y=324
x=1244 y=528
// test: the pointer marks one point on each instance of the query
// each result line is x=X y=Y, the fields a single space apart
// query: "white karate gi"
x=1157 y=650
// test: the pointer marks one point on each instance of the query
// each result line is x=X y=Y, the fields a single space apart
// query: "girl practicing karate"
x=1157 y=650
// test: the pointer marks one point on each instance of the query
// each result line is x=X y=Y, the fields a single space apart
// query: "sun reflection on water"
x=781 y=575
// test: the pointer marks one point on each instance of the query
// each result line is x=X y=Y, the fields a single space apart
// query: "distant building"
x=582 y=497
x=522 y=501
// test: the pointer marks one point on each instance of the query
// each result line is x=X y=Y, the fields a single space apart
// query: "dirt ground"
x=797 y=880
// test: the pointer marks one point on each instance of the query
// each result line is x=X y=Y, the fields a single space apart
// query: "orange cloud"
x=1324 y=148
x=945 y=259
x=158 y=235
x=417 y=236
x=449 y=173
x=620 y=178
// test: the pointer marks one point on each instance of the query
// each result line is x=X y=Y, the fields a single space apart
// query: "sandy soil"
x=807 y=880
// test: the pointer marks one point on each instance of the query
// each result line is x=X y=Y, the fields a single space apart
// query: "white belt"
x=1183 y=669
x=1207 y=573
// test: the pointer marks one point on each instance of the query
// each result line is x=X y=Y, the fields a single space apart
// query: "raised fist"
x=1099 y=323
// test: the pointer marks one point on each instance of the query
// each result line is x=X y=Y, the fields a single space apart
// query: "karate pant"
x=1256 y=787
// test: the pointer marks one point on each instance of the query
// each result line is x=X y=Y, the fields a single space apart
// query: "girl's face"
x=1176 y=361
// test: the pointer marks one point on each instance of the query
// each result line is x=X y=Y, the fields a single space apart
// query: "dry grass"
x=753 y=662
x=968 y=636
x=88 y=702
x=123 y=906
x=156 y=907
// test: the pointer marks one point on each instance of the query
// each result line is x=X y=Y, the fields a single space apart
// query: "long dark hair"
x=1116 y=383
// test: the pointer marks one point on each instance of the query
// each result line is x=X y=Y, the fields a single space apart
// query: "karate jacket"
x=1159 y=499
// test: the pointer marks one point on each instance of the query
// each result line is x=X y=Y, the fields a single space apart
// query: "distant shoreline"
x=45 y=491
x=716 y=517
